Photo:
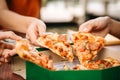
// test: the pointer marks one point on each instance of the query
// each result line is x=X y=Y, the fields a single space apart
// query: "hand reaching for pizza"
x=6 y=49
x=99 y=26
x=35 y=29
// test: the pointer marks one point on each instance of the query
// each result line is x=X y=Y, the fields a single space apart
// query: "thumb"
x=41 y=27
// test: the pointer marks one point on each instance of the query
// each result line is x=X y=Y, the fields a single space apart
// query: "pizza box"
x=35 y=72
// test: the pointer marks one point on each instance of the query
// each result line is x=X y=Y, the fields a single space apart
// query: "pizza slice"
x=114 y=62
x=94 y=65
x=102 y=64
x=29 y=53
x=79 y=67
x=97 y=65
x=86 y=46
x=58 y=44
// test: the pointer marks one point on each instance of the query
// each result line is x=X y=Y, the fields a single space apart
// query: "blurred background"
x=69 y=14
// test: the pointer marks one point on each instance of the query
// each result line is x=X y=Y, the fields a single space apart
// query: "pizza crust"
x=29 y=53
x=58 y=44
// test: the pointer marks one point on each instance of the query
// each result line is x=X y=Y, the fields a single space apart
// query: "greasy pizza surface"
x=114 y=62
x=29 y=53
x=86 y=46
x=98 y=64
x=58 y=44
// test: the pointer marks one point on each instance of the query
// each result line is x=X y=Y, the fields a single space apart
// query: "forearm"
x=13 y=21
x=115 y=28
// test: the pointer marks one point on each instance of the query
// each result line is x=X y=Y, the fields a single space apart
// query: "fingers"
x=1 y=48
x=85 y=28
x=6 y=54
x=32 y=33
x=94 y=25
x=8 y=45
x=35 y=29
x=9 y=35
x=101 y=33
x=13 y=52
x=41 y=28
x=6 y=50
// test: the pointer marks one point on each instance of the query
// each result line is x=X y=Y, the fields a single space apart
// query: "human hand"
x=35 y=29
x=9 y=35
x=7 y=50
x=99 y=26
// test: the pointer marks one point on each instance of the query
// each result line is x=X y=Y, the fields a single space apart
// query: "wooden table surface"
x=6 y=73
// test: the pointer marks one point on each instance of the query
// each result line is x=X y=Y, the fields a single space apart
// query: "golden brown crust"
x=29 y=53
x=113 y=61
x=86 y=46
x=99 y=64
x=58 y=44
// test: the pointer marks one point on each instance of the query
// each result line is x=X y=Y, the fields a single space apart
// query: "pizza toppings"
x=114 y=62
x=98 y=64
x=58 y=44
x=29 y=53
x=86 y=46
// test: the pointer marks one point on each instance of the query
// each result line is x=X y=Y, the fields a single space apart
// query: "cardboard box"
x=35 y=72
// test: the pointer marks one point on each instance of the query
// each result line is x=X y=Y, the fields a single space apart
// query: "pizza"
x=97 y=65
x=114 y=62
x=58 y=44
x=29 y=53
x=94 y=65
x=86 y=46
x=79 y=67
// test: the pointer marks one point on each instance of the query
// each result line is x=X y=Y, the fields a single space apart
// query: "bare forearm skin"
x=12 y=20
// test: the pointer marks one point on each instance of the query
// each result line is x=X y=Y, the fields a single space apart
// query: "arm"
x=12 y=20
x=33 y=27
